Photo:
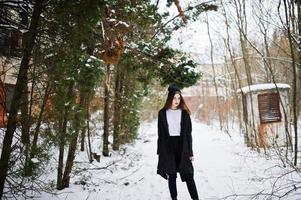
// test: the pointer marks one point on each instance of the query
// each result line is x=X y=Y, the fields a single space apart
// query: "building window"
x=269 y=110
x=10 y=42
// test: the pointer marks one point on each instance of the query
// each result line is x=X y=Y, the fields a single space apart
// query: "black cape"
x=166 y=163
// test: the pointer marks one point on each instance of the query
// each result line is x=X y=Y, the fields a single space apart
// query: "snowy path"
x=223 y=166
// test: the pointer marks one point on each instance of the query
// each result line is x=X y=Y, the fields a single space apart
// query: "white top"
x=174 y=121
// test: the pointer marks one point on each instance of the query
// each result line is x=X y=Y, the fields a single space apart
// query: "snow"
x=265 y=86
x=49 y=55
x=223 y=166
x=23 y=31
x=8 y=26
x=112 y=20
x=34 y=160
x=123 y=23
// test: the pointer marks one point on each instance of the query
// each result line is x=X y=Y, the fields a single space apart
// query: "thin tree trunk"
x=207 y=112
x=29 y=42
x=73 y=144
x=217 y=107
x=105 y=150
x=299 y=53
x=39 y=121
x=28 y=163
x=25 y=126
x=263 y=27
x=69 y=162
x=267 y=52
x=62 y=139
x=88 y=131
x=294 y=83
x=242 y=25
x=117 y=106
x=234 y=87
x=62 y=133
x=25 y=138
x=33 y=147
x=83 y=135
x=84 y=128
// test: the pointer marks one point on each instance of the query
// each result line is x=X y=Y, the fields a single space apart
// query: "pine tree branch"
x=206 y=5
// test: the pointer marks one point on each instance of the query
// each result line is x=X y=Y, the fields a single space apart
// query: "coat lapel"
x=164 y=119
x=182 y=121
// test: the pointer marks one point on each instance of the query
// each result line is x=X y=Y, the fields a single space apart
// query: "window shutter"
x=269 y=110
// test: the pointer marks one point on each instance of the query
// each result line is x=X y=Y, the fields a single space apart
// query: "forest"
x=76 y=72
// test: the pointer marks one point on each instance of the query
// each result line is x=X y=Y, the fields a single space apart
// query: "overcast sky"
x=193 y=37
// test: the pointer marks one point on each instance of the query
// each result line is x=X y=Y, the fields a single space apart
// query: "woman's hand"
x=191 y=158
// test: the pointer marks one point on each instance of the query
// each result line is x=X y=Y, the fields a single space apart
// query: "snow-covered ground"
x=223 y=166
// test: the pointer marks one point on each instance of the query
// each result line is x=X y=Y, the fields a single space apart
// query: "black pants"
x=172 y=184
x=172 y=178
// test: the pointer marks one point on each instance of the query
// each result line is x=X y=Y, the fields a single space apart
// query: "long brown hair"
x=182 y=104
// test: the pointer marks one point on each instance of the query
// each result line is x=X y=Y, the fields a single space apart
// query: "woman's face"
x=176 y=101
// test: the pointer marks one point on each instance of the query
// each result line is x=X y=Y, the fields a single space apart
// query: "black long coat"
x=167 y=164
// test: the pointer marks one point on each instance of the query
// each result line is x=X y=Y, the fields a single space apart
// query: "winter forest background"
x=82 y=82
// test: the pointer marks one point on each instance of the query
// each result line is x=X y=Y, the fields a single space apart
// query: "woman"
x=175 y=143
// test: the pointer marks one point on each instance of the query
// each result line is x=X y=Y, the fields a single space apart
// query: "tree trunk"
x=28 y=164
x=217 y=106
x=263 y=27
x=29 y=41
x=25 y=127
x=294 y=83
x=73 y=144
x=62 y=139
x=69 y=162
x=33 y=147
x=83 y=135
x=84 y=128
x=39 y=121
x=117 y=107
x=25 y=115
x=25 y=138
x=62 y=133
x=297 y=110
x=105 y=150
x=88 y=131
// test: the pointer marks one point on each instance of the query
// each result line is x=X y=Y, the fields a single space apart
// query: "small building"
x=266 y=114
x=8 y=79
x=10 y=58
